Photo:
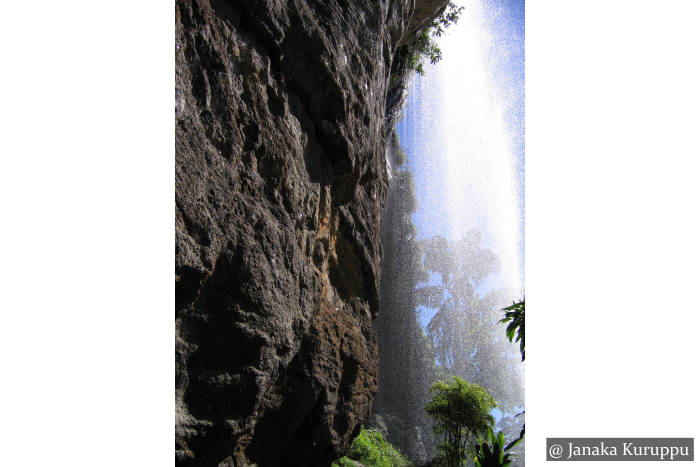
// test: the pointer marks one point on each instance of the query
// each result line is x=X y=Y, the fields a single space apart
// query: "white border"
x=612 y=224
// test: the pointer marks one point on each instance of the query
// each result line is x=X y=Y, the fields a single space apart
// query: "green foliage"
x=460 y=411
x=344 y=462
x=448 y=17
x=516 y=315
x=514 y=426
x=424 y=45
x=492 y=453
x=370 y=449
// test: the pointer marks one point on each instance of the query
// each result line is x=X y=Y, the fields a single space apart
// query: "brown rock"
x=280 y=185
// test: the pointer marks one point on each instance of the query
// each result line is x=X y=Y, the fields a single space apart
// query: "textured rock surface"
x=280 y=185
x=407 y=363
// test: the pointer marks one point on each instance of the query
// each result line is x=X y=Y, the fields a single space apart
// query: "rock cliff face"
x=407 y=363
x=280 y=186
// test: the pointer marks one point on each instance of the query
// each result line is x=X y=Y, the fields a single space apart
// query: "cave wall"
x=407 y=359
x=280 y=177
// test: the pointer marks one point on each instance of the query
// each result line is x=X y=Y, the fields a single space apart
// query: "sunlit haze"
x=462 y=150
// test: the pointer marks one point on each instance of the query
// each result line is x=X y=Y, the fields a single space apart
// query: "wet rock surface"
x=407 y=363
x=280 y=186
x=400 y=433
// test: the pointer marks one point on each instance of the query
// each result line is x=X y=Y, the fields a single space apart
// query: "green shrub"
x=423 y=44
x=492 y=452
x=460 y=410
x=370 y=449
x=344 y=462
x=515 y=317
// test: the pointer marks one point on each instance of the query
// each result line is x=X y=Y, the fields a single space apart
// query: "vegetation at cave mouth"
x=371 y=449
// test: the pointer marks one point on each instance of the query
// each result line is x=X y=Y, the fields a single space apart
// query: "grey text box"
x=620 y=449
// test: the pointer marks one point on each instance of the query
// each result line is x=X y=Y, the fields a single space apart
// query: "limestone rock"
x=376 y=422
x=280 y=185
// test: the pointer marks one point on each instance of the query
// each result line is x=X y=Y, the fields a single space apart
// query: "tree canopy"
x=461 y=411
x=466 y=335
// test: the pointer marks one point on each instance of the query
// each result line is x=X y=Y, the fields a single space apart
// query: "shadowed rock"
x=280 y=185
